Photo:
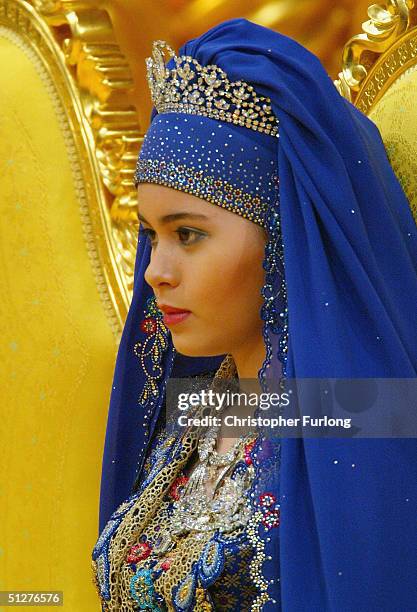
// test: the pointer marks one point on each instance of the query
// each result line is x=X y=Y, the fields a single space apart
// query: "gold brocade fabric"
x=395 y=116
x=58 y=350
x=145 y=521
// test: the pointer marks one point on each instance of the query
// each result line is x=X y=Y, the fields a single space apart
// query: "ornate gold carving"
x=362 y=66
x=374 y=63
x=401 y=56
x=92 y=78
x=45 y=7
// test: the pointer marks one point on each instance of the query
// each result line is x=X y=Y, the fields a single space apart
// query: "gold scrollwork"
x=92 y=77
x=374 y=63
x=385 y=26
x=401 y=56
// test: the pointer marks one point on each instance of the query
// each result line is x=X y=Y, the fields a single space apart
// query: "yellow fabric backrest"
x=57 y=350
x=396 y=117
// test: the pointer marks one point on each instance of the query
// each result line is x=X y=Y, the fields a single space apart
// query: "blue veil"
x=348 y=536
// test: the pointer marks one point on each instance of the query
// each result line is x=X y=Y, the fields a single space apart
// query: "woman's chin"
x=194 y=349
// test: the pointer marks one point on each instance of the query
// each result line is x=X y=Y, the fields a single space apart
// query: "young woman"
x=275 y=242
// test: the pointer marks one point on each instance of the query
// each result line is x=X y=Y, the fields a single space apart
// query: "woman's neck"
x=249 y=360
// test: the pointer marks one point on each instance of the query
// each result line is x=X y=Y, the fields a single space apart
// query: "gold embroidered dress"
x=149 y=558
x=188 y=539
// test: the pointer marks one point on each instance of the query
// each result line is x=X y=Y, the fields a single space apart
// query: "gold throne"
x=379 y=75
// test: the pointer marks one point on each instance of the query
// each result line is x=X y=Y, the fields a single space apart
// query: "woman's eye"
x=189 y=236
x=149 y=234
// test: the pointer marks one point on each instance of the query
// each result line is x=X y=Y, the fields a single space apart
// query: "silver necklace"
x=226 y=508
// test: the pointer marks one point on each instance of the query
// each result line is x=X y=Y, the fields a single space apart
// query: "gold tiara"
x=205 y=90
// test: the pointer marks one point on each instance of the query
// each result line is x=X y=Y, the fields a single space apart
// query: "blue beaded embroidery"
x=211 y=563
x=214 y=190
x=151 y=351
x=274 y=311
x=217 y=162
x=143 y=591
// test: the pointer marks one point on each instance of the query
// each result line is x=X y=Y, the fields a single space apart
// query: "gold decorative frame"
x=90 y=82
x=372 y=61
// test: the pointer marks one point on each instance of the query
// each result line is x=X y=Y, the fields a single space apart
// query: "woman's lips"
x=173 y=316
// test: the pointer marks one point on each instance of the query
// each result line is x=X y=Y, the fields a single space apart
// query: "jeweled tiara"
x=205 y=90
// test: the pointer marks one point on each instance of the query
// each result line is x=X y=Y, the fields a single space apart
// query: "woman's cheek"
x=230 y=306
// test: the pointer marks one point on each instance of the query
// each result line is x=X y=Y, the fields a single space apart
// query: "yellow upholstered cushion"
x=396 y=117
x=57 y=350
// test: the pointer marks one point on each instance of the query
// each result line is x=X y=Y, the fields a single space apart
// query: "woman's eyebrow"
x=175 y=217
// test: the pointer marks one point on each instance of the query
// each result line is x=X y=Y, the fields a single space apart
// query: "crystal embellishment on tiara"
x=205 y=90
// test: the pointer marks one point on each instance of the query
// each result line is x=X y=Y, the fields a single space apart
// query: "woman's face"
x=206 y=262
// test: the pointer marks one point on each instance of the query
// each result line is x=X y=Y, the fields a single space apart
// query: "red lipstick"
x=173 y=315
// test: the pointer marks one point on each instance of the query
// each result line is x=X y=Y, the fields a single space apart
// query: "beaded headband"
x=210 y=137
x=205 y=90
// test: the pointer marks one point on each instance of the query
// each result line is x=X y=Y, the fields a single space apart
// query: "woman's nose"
x=161 y=269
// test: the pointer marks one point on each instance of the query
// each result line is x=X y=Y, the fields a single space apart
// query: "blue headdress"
x=340 y=296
